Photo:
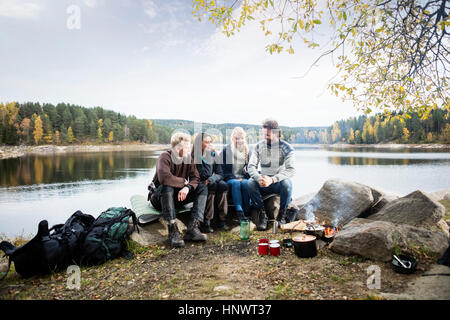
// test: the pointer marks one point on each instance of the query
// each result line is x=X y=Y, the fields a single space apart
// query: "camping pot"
x=409 y=262
x=245 y=229
x=305 y=246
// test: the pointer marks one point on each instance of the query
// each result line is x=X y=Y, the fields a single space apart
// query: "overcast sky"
x=153 y=59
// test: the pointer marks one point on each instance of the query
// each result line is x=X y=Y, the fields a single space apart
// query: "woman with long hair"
x=212 y=176
x=235 y=158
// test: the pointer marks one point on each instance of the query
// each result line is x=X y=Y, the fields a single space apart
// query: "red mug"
x=263 y=240
x=275 y=249
x=263 y=248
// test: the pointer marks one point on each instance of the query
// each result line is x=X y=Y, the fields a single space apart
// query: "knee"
x=286 y=184
x=167 y=189
x=212 y=187
x=201 y=189
x=252 y=184
x=222 y=187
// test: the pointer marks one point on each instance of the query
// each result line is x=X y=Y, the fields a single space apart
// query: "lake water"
x=52 y=187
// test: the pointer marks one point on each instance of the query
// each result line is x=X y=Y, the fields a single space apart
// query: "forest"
x=31 y=123
x=34 y=124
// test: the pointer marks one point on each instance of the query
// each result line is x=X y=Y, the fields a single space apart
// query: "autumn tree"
x=25 y=127
x=100 y=134
x=351 y=138
x=70 y=136
x=38 y=130
x=391 y=55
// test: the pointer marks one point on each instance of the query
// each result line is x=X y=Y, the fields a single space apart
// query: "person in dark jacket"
x=211 y=176
x=235 y=157
x=177 y=183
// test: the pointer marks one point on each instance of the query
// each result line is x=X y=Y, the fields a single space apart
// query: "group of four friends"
x=203 y=176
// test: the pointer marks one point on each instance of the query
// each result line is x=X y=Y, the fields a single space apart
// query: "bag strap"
x=56 y=226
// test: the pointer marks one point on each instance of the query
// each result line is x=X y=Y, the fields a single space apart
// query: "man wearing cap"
x=276 y=158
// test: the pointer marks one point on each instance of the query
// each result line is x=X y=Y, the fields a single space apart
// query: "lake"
x=52 y=187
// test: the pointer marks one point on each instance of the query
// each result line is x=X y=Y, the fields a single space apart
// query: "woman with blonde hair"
x=235 y=157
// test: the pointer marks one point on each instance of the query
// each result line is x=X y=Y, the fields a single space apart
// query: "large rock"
x=376 y=239
x=155 y=233
x=416 y=209
x=338 y=202
x=367 y=239
x=380 y=200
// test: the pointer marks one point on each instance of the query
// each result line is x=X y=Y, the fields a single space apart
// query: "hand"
x=182 y=194
x=265 y=181
x=207 y=182
x=240 y=179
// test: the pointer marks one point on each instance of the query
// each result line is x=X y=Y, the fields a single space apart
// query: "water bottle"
x=245 y=229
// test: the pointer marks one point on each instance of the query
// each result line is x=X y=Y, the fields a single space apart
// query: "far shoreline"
x=8 y=152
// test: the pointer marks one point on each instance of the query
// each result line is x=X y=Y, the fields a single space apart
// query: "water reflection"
x=366 y=161
x=37 y=169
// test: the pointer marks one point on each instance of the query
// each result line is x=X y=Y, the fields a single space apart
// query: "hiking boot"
x=240 y=215
x=205 y=227
x=262 y=220
x=221 y=225
x=281 y=218
x=175 y=240
x=193 y=233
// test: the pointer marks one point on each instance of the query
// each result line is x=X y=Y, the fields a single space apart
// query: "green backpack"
x=106 y=238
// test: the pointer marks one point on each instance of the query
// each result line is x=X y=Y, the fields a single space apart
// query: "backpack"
x=51 y=249
x=106 y=239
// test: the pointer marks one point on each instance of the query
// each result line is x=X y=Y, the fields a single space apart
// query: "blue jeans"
x=239 y=194
x=283 y=188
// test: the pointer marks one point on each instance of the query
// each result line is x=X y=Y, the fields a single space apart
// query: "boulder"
x=298 y=202
x=416 y=209
x=380 y=199
x=155 y=233
x=376 y=239
x=412 y=238
x=440 y=195
x=369 y=239
x=338 y=202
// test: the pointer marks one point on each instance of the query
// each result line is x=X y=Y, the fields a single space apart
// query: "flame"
x=330 y=232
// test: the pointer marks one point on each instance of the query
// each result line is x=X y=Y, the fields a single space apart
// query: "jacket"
x=276 y=160
x=174 y=175
x=209 y=169
x=227 y=166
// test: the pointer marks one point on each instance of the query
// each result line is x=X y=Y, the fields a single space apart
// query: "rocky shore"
x=7 y=152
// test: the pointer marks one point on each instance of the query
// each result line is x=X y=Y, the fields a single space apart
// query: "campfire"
x=325 y=231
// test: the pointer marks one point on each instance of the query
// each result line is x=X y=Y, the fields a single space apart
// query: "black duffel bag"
x=51 y=249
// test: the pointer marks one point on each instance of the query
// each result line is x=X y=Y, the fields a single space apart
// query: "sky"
x=154 y=59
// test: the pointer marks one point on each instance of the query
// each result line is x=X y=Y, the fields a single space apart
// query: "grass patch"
x=446 y=204
x=336 y=278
